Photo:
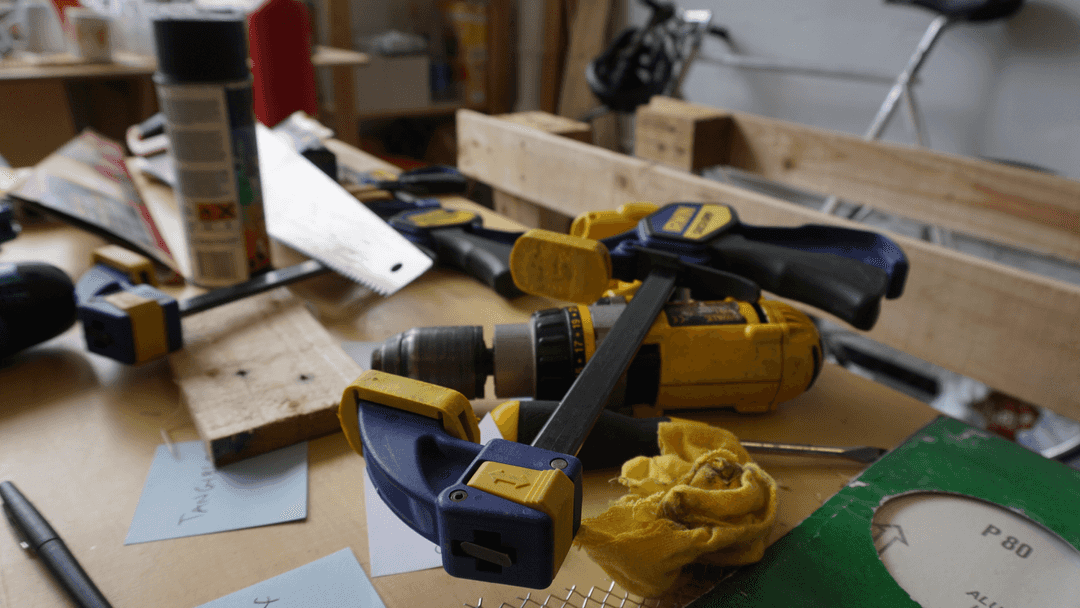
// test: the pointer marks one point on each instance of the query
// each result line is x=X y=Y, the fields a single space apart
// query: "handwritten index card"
x=335 y=581
x=185 y=495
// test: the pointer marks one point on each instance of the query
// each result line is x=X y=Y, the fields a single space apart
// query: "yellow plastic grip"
x=147 y=318
x=550 y=492
x=505 y=417
x=602 y=224
x=448 y=406
x=138 y=268
x=560 y=266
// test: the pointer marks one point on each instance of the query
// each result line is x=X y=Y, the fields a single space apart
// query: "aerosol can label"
x=212 y=138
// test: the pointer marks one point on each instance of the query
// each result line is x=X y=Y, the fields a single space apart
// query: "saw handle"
x=838 y=285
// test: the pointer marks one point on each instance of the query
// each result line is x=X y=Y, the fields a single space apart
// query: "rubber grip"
x=861 y=245
x=843 y=287
x=615 y=439
x=480 y=258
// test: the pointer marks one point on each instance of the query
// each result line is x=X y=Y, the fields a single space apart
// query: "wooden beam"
x=527 y=212
x=589 y=33
x=346 y=120
x=502 y=56
x=558 y=125
x=684 y=136
x=1004 y=204
x=1015 y=331
x=554 y=55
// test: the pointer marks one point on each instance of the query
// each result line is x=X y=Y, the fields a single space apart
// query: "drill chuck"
x=454 y=357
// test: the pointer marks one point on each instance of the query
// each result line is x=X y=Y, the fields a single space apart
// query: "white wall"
x=1004 y=90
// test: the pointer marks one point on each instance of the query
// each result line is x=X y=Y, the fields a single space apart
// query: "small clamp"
x=502 y=512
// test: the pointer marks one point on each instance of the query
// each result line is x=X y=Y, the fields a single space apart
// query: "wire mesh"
x=596 y=597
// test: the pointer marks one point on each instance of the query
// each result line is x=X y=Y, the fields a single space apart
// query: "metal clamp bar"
x=579 y=410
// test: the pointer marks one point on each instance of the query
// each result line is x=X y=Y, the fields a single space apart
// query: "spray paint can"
x=204 y=89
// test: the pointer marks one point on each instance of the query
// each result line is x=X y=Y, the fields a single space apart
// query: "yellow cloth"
x=702 y=497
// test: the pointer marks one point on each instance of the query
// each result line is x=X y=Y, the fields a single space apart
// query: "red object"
x=61 y=9
x=280 y=43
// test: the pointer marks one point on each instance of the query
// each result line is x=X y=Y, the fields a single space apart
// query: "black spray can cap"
x=198 y=45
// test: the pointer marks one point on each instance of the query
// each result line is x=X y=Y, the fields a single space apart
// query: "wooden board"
x=559 y=125
x=589 y=33
x=1016 y=332
x=530 y=214
x=588 y=29
x=527 y=212
x=260 y=374
x=553 y=57
x=685 y=136
x=346 y=123
x=1005 y=204
x=502 y=56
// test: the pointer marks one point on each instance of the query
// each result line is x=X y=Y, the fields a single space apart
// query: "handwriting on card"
x=202 y=495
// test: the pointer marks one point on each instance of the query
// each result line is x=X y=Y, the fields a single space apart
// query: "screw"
x=559 y=463
x=458 y=495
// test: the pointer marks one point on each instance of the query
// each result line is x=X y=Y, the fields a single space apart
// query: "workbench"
x=78 y=433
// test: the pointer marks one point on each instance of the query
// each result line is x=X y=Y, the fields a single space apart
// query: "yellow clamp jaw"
x=449 y=407
x=560 y=266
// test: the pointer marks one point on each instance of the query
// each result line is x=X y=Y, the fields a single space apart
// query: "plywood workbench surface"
x=78 y=432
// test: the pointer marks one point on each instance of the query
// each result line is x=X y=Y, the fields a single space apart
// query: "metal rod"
x=779 y=65
x=257 y=285
x=915 y=118
x=570 y=423
x=863 y=454
x=888 y=107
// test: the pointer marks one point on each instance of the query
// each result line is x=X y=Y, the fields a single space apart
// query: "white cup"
x=90 y=33
x=38 y=24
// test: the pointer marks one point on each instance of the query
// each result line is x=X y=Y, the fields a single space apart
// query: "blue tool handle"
x=482 y=258
x=838 y=285
x=859 y=245
x=421 y=473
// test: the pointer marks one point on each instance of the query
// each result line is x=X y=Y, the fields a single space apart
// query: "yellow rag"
x=702 y=496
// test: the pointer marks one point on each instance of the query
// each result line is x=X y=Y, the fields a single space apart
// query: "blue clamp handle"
x=421 y=472
x=842 y=271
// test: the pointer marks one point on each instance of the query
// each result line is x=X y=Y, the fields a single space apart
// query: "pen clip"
x=24 y=542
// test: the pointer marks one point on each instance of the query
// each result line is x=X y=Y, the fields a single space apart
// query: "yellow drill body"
x=723 y=354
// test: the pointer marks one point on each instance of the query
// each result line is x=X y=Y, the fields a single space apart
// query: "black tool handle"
x=37 y=302
x=483 y=259
x=428 y=181
x=846 y=288
x=615 y=439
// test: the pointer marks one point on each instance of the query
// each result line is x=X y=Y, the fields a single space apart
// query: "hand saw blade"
x=311 y=213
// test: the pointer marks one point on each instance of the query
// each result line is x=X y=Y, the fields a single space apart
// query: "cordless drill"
x=749 y=356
